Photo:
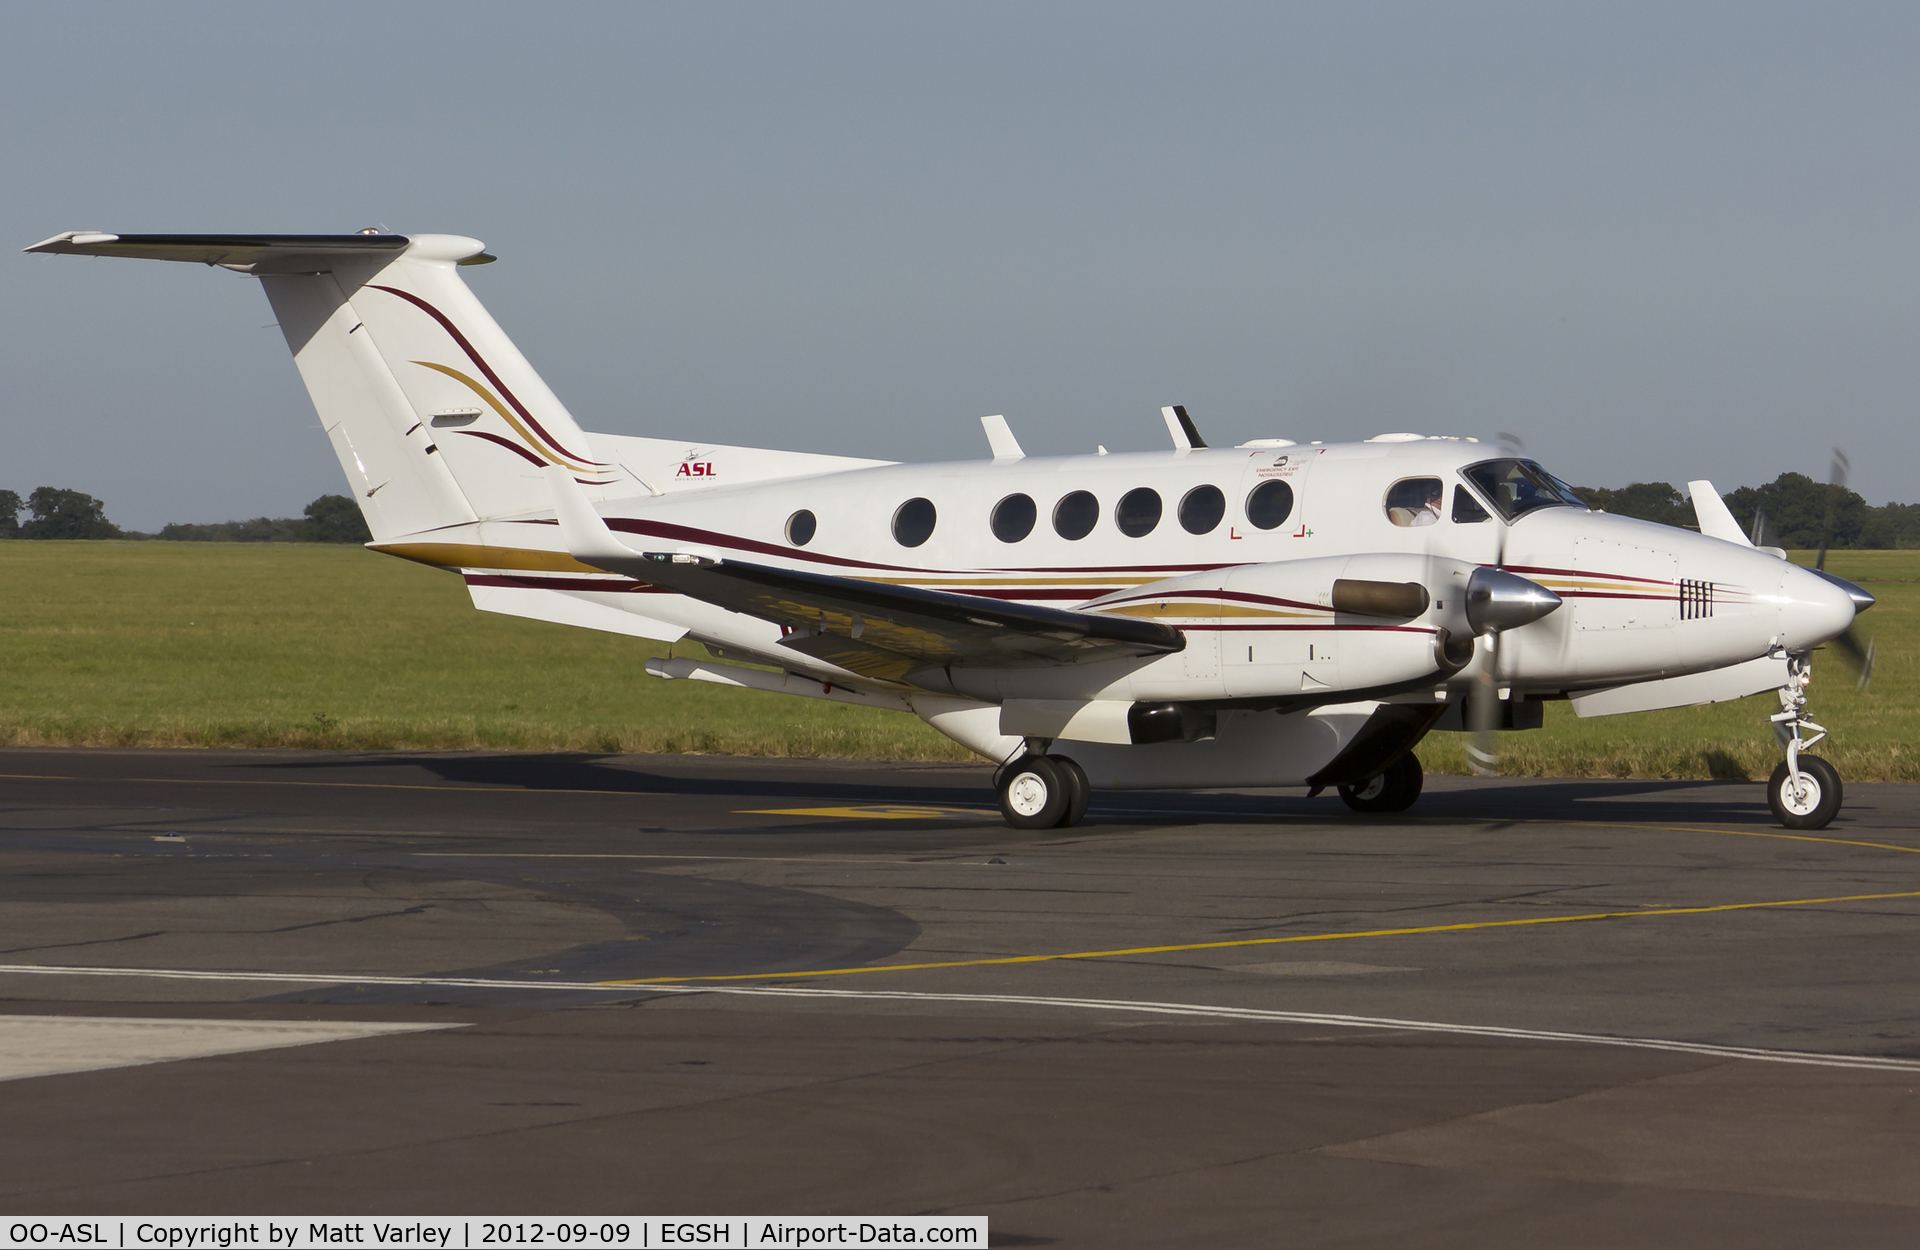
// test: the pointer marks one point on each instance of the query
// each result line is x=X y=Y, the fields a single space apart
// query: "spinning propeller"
x=1857 y=649
x=1496 y=602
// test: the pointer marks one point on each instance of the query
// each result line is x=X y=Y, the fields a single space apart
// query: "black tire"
x=1079 y=793
x=1819 y=802
x=1392 y=791
x=1033 y=795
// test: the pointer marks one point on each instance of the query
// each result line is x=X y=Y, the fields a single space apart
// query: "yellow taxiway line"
x=1273 y=941
x=876 y=812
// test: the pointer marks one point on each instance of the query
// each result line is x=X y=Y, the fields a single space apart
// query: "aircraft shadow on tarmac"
x=674 y=927
x=1503 y=799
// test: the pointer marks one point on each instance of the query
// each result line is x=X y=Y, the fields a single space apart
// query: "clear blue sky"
x=1658 y=241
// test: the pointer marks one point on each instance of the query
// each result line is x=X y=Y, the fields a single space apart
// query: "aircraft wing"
x=885 y=631
x=869 y=628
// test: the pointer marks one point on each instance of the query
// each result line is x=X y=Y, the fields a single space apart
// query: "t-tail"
x=437 y=418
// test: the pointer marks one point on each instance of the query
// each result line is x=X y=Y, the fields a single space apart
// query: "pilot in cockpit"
x=1414 y=502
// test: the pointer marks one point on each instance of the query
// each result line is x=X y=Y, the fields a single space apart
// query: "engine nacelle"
x=1309 y=629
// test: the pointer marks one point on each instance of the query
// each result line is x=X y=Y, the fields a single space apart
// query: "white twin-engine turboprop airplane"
x=1272 y=614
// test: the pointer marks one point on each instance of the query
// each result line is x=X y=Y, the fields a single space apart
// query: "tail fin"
x=436 y=417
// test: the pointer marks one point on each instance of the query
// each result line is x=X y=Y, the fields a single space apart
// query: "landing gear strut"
x=1804 y=791
x=1042 y=792
x=1393 y=790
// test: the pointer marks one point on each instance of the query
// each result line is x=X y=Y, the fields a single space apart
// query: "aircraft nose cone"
x=1816 y=607
x=1497 y=599
x=1862 y=600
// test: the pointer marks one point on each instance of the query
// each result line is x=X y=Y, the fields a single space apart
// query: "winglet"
x=1186 y=435
x=582 y=527
x=1000 y=438
x=1711 y=511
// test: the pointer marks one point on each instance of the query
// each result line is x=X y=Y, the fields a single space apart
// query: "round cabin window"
x=1269 y=505
x=1013 y=518
x=913 y=522
x=1138 y=512
x=1075 y=515
x=1201 y=509
x=800 y=528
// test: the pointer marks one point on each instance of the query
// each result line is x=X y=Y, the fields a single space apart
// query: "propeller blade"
x=1859 y=653
x=1837 y=477
x=1483 y=713
x=1501 y=595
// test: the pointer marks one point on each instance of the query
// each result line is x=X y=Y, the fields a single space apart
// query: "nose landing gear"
x=1804 y=791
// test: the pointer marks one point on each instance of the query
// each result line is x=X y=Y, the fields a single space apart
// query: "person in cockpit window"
x=1414 y=502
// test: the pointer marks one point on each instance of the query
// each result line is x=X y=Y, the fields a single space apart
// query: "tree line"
x=55 y=513
x=1792 y=510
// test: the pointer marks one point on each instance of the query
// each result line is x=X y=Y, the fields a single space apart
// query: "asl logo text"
x=695 y=468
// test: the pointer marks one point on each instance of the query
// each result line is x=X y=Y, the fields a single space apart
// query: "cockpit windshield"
x=1516 y=487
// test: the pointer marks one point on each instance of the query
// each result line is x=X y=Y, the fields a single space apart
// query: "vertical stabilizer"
x=494 y=421
x=436 y=417
x=385 y=449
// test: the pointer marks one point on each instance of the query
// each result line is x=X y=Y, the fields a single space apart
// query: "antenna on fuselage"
x=1186 y=435
x=1001 y=440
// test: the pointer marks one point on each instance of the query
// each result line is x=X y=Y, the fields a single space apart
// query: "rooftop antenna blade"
x=1001 y=440
x=1186 y=435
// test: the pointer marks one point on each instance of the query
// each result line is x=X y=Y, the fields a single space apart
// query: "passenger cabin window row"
x=1137 y=514
x=1514 y=487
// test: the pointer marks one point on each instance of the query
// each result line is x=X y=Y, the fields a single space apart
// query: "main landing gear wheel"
x=1814 y=803
x=1392 y=791
x=1042 y=792
x=1080 y=792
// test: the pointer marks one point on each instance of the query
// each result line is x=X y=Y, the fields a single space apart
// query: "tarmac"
x=1592 y=1013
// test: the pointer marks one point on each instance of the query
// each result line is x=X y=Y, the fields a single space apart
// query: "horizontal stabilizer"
x=249 y=253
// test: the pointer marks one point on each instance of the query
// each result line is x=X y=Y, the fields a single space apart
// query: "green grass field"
x=240 y=644
x=311 y=645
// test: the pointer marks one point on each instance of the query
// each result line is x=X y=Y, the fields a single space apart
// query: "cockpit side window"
x=1467 y=509
x=1414 y=501
x=1517 y=487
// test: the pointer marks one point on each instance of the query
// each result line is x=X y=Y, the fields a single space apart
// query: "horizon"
x=1657 y=242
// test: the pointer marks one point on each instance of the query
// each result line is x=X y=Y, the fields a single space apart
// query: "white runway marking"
x=1873 y=1063
x=46 y=1045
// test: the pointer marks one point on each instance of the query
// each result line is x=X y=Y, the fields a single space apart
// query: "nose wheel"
x=1042 y=792
x=1804 y=791
x=1806 y=801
